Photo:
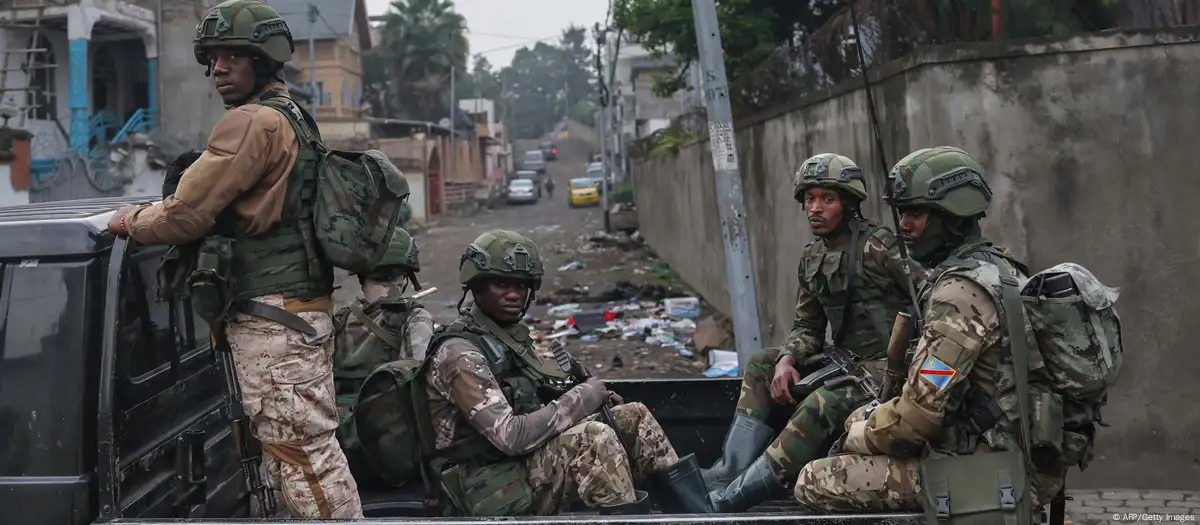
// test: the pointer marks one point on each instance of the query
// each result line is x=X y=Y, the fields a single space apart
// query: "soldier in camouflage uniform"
x=831 y=187
x=387 y=284
x=280 y=330
x=510 y=439
x=960 y=396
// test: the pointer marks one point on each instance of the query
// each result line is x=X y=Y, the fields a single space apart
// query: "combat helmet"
x=502 y=253
x=245 y=24
x=402 y=252
x=943 y=178
x=829 y=170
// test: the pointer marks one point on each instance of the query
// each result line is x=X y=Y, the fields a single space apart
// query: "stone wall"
x=1088 y=143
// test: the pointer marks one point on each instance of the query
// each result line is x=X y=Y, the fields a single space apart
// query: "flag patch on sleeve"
x=936 y=372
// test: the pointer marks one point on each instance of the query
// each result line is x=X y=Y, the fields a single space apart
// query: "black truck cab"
x=111 y=399
x=108 y=393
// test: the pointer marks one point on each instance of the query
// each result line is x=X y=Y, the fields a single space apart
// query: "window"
x=146 y=324
x=43 y=80
x=345 y=93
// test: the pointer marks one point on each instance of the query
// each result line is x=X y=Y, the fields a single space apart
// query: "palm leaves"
x=420 y=41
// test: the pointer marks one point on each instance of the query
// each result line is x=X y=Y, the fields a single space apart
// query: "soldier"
x=851 y=279
x=501 y=449
x=279 y=330
x=960 y=395
x=387 y=284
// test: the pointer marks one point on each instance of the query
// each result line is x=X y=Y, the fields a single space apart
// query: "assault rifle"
x=249 y=448
x=577 y=373
x=841 y=367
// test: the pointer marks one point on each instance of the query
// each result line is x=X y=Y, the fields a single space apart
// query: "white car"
x=522 y=190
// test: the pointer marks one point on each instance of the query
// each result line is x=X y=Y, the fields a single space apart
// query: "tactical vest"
x=527 y=382
x=286 y=259
x=476 y=477
x=825 y=273
x=972 y=414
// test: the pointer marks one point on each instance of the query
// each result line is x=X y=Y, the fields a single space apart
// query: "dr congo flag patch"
x=936 y=372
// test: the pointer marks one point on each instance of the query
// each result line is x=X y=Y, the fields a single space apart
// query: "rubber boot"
x=746 y=440
x=640 y=505
x=679 y=488
x=757 y=484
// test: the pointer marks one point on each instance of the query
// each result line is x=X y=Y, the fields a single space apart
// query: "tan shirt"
x=246 y=165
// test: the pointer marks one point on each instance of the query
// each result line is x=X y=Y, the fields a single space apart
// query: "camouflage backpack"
x=1071 y=318
x=357 y=198
x=380 y=405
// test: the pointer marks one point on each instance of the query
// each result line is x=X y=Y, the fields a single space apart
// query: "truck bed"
x=695 y=413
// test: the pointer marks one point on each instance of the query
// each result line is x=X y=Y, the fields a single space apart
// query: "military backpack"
x=356 y=198
x=1071 y=320
x=385 y=427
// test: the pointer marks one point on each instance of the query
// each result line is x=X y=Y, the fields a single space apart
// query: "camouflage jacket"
x=879 y=292
x=470 y=394
x=964 y=347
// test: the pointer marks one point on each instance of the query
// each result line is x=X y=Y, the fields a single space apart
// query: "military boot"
x=757 y=484
x=679 y=488
x=640 y=505
x=747 y=439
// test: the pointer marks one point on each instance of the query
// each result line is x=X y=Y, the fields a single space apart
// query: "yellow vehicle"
x=583 y=193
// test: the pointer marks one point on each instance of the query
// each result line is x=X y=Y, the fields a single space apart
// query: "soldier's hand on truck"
x=785 y=376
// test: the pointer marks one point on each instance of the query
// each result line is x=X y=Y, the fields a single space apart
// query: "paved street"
x=1124 y=506
x=562 y=235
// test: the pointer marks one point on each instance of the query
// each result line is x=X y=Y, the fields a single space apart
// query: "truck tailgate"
x=569 y=519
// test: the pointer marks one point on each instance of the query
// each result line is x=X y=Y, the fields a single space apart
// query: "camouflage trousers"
x=862 y=483
x=852 y=482
x=588 y=463
x=817 y=420
x=287 y=392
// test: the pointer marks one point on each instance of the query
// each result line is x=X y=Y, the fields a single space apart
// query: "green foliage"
x=670 y=142
x=548 y=82
x=408 y=74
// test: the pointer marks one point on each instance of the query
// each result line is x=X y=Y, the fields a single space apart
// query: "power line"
x=518 y=44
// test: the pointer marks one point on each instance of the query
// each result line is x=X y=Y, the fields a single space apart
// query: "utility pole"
x=453 y=103
x=739 y=270
x=312 y=61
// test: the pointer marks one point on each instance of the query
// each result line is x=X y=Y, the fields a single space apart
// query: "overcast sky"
x=498 y=28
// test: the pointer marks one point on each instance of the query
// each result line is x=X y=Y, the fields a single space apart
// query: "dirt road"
x=562 y=235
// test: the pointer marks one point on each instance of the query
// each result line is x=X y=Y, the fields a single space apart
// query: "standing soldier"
x=852 y=280
x=502 y=448
x=961 y=395
x=280 y=322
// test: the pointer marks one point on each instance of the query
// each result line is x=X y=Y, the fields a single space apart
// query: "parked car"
x=524 y=191
x=583 y=193
x=595 y=173
x=549 y=150
x=537 y=179
x=534 y=161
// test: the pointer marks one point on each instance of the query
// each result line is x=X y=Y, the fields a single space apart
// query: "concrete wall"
x=1089 y=147
x=190 y=104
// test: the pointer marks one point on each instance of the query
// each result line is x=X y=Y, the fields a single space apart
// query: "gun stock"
x=249 y=449
x=897 y=357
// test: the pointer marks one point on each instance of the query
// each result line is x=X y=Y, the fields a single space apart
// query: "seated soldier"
x=383 y=289
x=506 y=447
x=382 y=327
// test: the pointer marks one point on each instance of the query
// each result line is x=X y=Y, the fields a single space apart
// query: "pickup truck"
x=111 y=400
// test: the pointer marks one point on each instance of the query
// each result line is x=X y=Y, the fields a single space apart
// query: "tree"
x=548 y=82
x=409 y=72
